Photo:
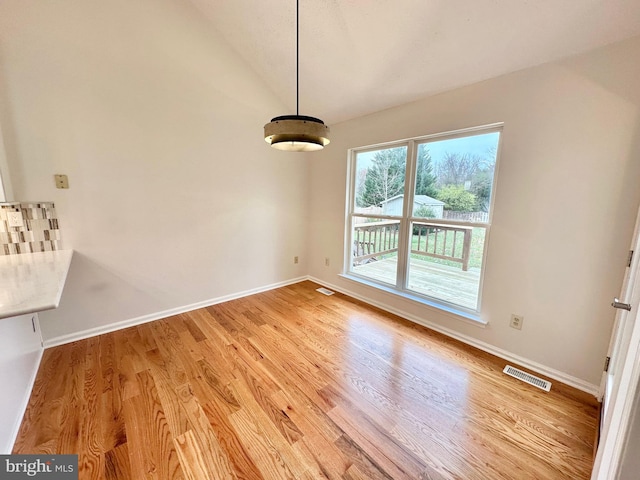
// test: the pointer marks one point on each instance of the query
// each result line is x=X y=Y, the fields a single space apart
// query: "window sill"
x=457 y=313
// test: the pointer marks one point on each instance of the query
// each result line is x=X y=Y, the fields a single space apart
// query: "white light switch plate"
x=14 y=219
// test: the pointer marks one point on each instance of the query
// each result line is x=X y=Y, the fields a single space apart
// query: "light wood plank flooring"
x=292 y=384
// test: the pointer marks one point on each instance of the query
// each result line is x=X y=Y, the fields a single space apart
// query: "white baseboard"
x=504 y=354
x=25 y=401
x=112 y=327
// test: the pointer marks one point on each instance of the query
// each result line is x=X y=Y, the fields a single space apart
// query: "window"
x=420 y=214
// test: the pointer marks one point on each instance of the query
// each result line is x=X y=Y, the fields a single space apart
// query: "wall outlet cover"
x=516 y=321
x=14 y=219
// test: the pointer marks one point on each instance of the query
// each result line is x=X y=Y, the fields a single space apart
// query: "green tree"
x=361 y=176
x=385 y=177
x=482 y=181
x=423 y=212
x=425 y=179
x=481 y=187
x=456 y=198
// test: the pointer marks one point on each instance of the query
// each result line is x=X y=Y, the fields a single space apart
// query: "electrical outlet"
x=295 y=259
x=14 y=219
x=516 y=321
x=326 y=262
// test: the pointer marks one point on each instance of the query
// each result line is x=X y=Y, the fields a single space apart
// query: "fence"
x=478 y=217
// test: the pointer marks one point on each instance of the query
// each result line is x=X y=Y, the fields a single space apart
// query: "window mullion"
x=448 y=189
x=404 y=244
x=350 y=209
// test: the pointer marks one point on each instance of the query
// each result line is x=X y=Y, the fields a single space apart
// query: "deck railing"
x=443 y=241
x=374 y=239
x=448 y=242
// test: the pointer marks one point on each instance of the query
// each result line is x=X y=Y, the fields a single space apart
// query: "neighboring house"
x=393 y=205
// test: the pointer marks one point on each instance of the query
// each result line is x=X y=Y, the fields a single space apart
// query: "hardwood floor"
x=294 y=384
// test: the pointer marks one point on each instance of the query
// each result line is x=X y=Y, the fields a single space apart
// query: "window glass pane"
x=375 y=249
x=447 y=222
x=379 y=182
x=454 y=178
x=445 y=262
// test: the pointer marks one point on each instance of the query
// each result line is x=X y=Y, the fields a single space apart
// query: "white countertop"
x=32 y=282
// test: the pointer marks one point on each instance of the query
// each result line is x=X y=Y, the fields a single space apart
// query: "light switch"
x=14 y=219
x=61 y=181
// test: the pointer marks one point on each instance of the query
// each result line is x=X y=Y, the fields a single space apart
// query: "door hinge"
x=606 y=364
x=630 y=258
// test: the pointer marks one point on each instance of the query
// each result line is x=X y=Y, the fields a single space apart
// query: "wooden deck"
x=442 y=282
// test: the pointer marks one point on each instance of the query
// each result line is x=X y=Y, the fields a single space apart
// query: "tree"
x=385 y=178
x=361 y=176
x=482 y=181
x=423 y=212
x=456 y=168
x=481 y=187
x=456 y=198
x=425 y=179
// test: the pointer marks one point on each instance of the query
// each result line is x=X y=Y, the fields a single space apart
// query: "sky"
x=477 y=144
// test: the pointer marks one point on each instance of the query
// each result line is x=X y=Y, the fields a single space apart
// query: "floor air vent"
x=324 y=291
x=527 y=378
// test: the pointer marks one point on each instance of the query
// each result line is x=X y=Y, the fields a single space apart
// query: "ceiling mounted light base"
x=296 y=133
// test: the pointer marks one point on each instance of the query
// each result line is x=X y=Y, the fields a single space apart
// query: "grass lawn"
x=477 y=247
x=384 y=241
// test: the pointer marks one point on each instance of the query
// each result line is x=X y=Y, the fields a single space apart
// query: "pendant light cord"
x=297 y=57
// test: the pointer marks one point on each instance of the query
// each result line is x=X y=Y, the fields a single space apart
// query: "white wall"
x=4 y=171
x=20 y=353
x=174 y=196
x=566 y=199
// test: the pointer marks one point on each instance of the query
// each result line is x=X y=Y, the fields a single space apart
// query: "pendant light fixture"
x=297 y=133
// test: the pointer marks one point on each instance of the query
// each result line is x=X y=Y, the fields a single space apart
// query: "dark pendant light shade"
x=297 y=133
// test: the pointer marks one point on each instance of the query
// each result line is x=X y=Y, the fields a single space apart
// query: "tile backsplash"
x=37 y=229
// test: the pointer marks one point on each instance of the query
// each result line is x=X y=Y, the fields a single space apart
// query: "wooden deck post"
x=466 y=249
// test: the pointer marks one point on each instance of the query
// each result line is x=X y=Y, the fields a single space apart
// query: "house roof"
x=362 y=57
x=419 y=199
x=426 y=200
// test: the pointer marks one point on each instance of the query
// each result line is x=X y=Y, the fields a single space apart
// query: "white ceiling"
x=358 y=57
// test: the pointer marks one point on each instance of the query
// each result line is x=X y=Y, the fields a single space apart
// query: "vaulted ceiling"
x=358 y=56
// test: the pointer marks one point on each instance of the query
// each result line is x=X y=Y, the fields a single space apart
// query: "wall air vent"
x=324 y=291
x=527 y=378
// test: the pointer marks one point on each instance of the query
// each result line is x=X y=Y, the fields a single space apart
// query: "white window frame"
x=406 y=219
